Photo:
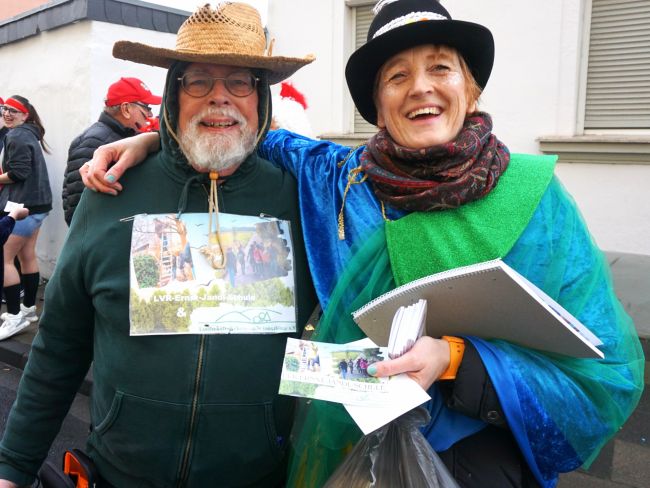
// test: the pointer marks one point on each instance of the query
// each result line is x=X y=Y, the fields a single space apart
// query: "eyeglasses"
x=238 y=83
x=10 y=110
x=144 y=106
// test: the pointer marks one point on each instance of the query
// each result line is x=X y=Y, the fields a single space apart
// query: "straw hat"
x=403 y=24
x=230 y=34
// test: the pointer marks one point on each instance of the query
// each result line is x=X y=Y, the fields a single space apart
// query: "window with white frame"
x=618 y=70
x=362 y=11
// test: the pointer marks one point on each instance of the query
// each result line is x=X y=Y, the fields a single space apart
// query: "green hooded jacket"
x=167 y=411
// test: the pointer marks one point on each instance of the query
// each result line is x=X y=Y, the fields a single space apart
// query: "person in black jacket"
x=24 y=180
x=126 y=112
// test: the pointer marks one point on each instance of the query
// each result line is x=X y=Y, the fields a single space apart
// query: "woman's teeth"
x=424 y=111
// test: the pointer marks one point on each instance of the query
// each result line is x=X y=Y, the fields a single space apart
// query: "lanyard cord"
x=214 y=238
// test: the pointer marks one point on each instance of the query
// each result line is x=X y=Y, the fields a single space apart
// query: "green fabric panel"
x=478 y=231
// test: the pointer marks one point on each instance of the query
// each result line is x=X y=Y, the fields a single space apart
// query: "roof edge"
x=59 y=13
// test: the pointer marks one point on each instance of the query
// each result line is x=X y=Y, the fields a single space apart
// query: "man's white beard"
x=217 y=152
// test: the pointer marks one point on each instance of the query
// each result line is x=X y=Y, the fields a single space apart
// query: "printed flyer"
x=333 y=372
x=187 y=280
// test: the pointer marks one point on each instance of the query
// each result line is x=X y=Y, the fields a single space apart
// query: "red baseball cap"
x=130 y=90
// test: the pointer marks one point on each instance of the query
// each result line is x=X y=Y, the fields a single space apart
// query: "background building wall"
x=534 y=91
x=65 y=74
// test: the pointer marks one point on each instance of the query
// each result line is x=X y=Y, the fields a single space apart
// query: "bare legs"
x=25 y=249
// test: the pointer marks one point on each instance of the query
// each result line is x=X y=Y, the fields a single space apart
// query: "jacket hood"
x=28 y=127
x=169 y=114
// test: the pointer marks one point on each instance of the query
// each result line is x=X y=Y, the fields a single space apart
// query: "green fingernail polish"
x=372 y=370
x=110 y=178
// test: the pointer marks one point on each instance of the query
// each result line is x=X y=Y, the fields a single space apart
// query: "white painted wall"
x=65 y=74
x=325 y=30
x=533 y=92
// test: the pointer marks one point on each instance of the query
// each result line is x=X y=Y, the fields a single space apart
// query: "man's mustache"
x=229 y=112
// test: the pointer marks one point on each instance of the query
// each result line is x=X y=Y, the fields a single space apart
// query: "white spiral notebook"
x=489 y=300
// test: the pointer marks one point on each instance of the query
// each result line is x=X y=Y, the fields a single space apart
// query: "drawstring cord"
x=214 y=237
x=218 y=258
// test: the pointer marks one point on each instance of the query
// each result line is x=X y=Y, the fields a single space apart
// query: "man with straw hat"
x=190 y=409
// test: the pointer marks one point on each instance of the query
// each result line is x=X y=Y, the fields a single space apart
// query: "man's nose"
x=219 y=92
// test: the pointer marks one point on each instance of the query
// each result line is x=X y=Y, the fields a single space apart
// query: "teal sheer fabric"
x=560 y=410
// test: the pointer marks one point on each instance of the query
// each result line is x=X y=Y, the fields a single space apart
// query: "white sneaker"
x=12 y=325
x=29 y=313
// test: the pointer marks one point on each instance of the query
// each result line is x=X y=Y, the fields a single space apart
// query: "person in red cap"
x=127 y=110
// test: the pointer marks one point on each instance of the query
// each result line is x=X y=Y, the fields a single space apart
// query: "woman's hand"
x=425 y=362
x=8 y=484
x=125 y=154
x=18 y=213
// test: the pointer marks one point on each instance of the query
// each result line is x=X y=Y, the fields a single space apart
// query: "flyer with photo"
x=333 y=372
x=188 y=280
x=338 y=373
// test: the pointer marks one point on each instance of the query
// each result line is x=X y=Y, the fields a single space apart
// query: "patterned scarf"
x=438 y=177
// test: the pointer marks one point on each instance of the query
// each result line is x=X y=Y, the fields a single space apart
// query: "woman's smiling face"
x=13 y=117
x=422 y=96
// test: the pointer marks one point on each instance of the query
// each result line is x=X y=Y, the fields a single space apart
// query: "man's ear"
x=125 y=110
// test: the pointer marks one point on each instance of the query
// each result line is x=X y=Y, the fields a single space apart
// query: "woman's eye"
x=439 y=68
x=396 y=76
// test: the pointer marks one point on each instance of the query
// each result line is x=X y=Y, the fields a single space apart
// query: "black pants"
x=489 y=459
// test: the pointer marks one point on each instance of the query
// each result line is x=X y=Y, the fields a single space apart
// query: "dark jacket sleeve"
x=18 y=158
x=81 y=150
x=6 y=226
x=472 y=392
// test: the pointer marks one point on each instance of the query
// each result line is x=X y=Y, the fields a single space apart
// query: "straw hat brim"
x=278 y=67
x=473 y=41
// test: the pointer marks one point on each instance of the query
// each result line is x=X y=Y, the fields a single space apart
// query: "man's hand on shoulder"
x=110 y=161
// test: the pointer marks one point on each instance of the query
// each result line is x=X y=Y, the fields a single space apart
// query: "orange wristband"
x=456 y=351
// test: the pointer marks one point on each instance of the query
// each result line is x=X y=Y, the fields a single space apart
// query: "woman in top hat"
x=434 y=189
x=25 y=180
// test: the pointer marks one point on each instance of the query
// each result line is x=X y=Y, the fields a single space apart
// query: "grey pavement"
x=623 y=463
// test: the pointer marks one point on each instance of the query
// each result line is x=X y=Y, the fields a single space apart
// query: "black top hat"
x=403 y=24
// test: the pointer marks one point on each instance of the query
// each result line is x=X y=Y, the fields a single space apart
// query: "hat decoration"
x=230 y=34
x=400 y=25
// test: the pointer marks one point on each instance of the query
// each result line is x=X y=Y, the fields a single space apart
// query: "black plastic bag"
x=394 y=456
